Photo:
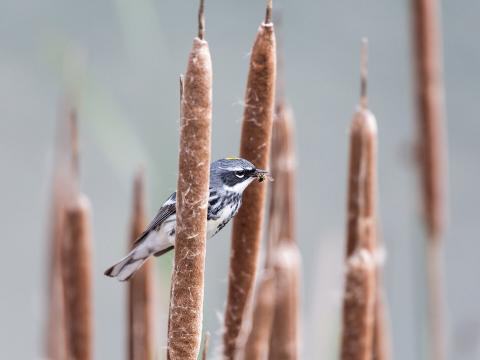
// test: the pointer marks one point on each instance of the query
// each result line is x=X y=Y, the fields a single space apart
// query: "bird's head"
x=235 y=174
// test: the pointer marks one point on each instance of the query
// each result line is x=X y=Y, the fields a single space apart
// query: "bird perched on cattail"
x=228 y=179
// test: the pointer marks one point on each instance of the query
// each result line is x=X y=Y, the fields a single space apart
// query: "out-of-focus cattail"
x=274 y=319
x=431 y=149
x=141 y=292
x=358 y=307
x=76 y=261
x=361 y=254
x=186 y=303
x=429 y=92
x=65 y=164
x=260 y=327
x=77 y=280
x=284 y=341
x=255 y=146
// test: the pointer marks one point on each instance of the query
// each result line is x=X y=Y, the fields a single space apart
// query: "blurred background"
x=121 y=60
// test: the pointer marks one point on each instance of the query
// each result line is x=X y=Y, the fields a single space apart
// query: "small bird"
x=228 y=179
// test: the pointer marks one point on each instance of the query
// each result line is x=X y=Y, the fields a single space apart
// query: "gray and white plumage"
x=228 y=179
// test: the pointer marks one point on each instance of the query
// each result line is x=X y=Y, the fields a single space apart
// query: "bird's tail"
x=146 y=246
x=126 y=268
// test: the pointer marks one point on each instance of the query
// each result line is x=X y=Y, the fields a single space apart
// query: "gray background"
x=123 y=58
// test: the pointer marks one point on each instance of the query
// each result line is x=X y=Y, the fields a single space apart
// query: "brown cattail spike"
x=430 y=112
x=62 y=191
x=201 y=20
x=268 y=12
x=361 y=254
x=255 y=147
x=358 y=307
x=362 y=183
x=364 y=74
x=186 y=303
x=141 y=343
x=77 y=280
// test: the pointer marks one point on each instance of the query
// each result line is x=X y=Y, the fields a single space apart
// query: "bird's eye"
x=240 y=174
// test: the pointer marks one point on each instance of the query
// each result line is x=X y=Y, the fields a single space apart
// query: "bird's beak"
x=261 y=175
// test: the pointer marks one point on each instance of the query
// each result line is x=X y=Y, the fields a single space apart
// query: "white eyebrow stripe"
x=232 y=168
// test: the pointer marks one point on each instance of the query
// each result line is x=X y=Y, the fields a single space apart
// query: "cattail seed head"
x=186 y=303
x=255 y=147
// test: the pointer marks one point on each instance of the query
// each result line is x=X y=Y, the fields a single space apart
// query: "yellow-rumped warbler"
x=228 y=179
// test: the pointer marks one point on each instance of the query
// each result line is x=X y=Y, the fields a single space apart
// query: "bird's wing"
x=165 y=211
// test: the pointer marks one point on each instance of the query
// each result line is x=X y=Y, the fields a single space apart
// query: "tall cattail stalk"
x=141 y=291
x=186 y=303
x=55 y=334
x=361 y=254
x=429 y=93
x=284 y=340
x=430 y=146
x=76 y=260
x=64 y=165
x=255 y=146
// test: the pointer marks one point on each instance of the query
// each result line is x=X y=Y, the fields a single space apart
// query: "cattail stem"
x=430 y=146
x=201 y=20
x=362 y=253
x=435 y=301
x=77 y=280
x=186 y=303
x=364 y=74
x=268 y=12
x=141 y=340
x=255 y=146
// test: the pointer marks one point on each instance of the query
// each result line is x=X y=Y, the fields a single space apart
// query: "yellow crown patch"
x=232 y=158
